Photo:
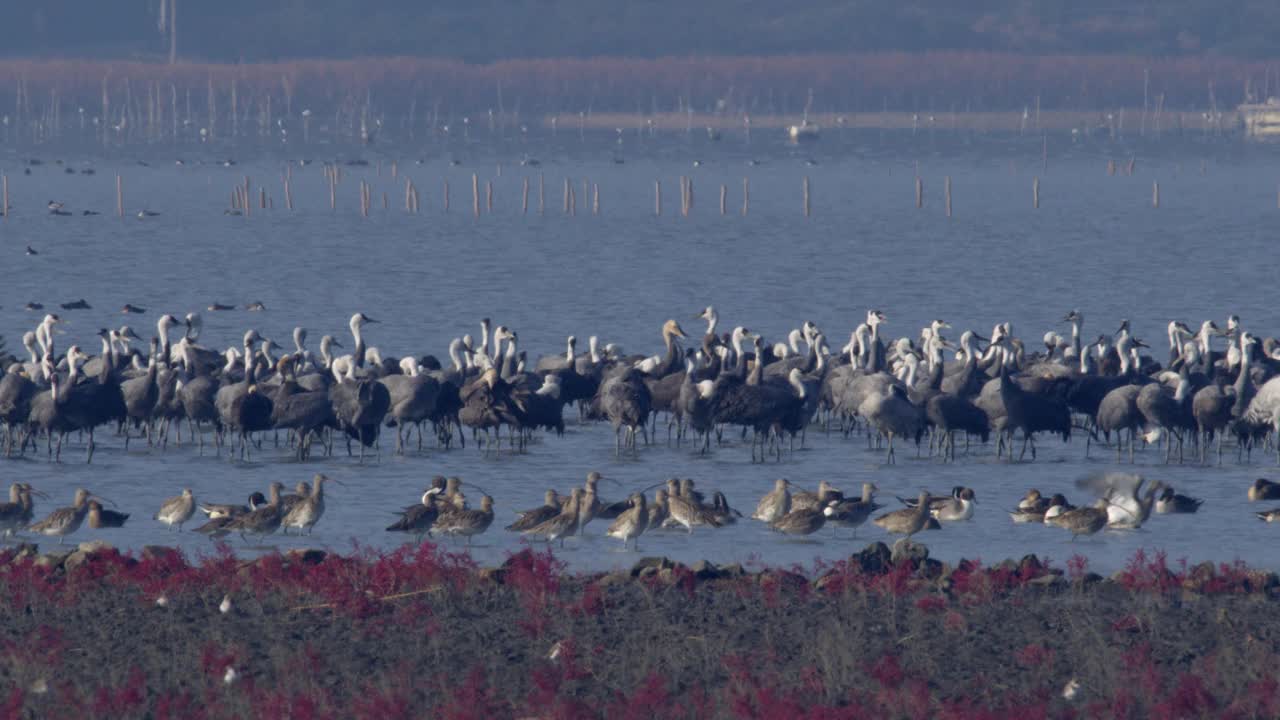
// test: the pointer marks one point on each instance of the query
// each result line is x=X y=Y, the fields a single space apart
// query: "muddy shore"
x=90 y=632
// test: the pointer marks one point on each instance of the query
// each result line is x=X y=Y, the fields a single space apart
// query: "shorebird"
x=804 y=521
x=467 y=522
x=686 y=511
x=19 y=511
x=64 y=521
x=775 y=504
x=529 y=518
x=1082 y=521
x=631 y=524
x=307 y=511
x=262 y=521
x=1272 y=515
x=657 y=512
x=177 y=510
x=853 y=513
x=100 y=518
x=562 y=525
x=300 y=492
x=805 y=500
x=908 y=521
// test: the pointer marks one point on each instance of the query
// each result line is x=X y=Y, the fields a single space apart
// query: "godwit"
x=1082 y=521
x=775 y=504
x=631 y=524
x=307 y=511
x=658 y=510
x=805 y=500
x=64 y=521
x=300 y=491
x=18 y=512
x=804 y=521
x=685 y=511
x=177 y=510
x=100 y=518
x=535 y=516
x=908 y=521
x=469 y=522
x=563 y=524
x=263 y=521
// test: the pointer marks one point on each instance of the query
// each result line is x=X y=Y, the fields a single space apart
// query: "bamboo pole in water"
x=119 y=196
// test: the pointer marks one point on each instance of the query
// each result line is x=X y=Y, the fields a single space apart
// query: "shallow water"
x=1096 y=244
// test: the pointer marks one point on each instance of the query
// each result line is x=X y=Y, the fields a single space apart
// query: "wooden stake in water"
x=524 y=197
x=947 y=193
x=1035 y=193
x=657 y=197
x=119 y=197
x=806 y=195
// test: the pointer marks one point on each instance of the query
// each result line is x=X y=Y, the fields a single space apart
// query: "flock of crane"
x=1217 y=383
